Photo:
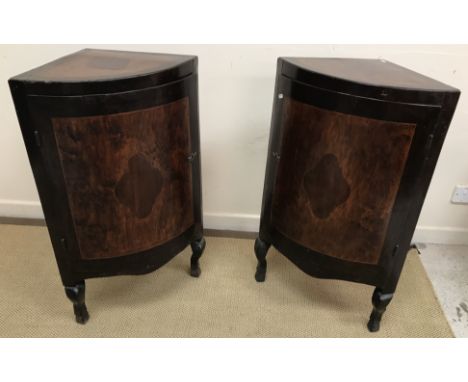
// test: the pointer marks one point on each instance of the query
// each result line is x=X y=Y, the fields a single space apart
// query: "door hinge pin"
x=192 y=156
x=37 y=138
x=430 y=138
x=64 y=244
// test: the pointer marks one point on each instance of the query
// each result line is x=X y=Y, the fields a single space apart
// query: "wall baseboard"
x=231 y=222
x=13 y=211
x=21 y=209
x=441 y=235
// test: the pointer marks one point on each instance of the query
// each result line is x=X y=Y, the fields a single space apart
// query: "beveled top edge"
x=369 y=72
x=94 y=65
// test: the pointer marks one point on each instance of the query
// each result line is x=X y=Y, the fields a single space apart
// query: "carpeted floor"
x=224 y=302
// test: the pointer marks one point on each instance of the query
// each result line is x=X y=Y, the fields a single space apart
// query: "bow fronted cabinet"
x=113 y=142
x=353 y=146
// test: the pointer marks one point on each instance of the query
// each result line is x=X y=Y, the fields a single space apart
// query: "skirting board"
x=441 y=235
x=21 y=209
x=11 y=210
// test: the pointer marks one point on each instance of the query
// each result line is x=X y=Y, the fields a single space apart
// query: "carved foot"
x=198 y=246
x=380 y=301
x=76 y=294
x=261 y=249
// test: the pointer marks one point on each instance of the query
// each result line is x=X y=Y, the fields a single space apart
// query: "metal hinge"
x=192 y=156
x=430 y=139
x=64 y=243
x=37 y=138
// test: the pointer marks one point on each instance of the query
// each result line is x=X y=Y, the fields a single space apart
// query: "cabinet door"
x=337 y=179
x=116 y=175
x=343 y=172
x=128 y=178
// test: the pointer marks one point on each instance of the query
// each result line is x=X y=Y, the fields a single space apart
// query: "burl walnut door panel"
x=128 y=178
x=337 y=180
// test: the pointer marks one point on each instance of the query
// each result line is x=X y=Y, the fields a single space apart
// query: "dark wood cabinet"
x=353 y=146
x=113 y=141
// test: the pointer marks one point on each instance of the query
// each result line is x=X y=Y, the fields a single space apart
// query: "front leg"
x=380 y=300
x=198 y=246
x=76 y=293
x=261 y=249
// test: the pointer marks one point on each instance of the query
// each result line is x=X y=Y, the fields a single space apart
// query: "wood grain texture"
x=128 y=179
x=375 y=72
x=337 y=180
x=99 y=65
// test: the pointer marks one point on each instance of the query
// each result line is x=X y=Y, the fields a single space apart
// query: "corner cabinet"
x=353 y=145
x=113 y=141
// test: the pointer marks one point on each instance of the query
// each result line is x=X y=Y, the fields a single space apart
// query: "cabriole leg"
x=198 y=246
x=261 y=249
x=76 y=294
x=380 y=300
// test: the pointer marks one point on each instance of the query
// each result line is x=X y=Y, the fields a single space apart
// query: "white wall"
x=236 y=93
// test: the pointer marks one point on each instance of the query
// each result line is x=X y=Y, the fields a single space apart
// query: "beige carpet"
x=224 y=302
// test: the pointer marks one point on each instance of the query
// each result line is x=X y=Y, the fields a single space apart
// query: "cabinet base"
x=76 y=292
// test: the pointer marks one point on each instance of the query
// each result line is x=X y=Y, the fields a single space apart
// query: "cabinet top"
x=365 y=72
x=106 y=67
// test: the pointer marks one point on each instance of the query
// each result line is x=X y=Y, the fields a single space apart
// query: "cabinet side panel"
x=337 y=180
x=128 y=180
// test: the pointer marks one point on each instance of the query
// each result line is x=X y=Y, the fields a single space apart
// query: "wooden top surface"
x=371 y=72
x=103 y=65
